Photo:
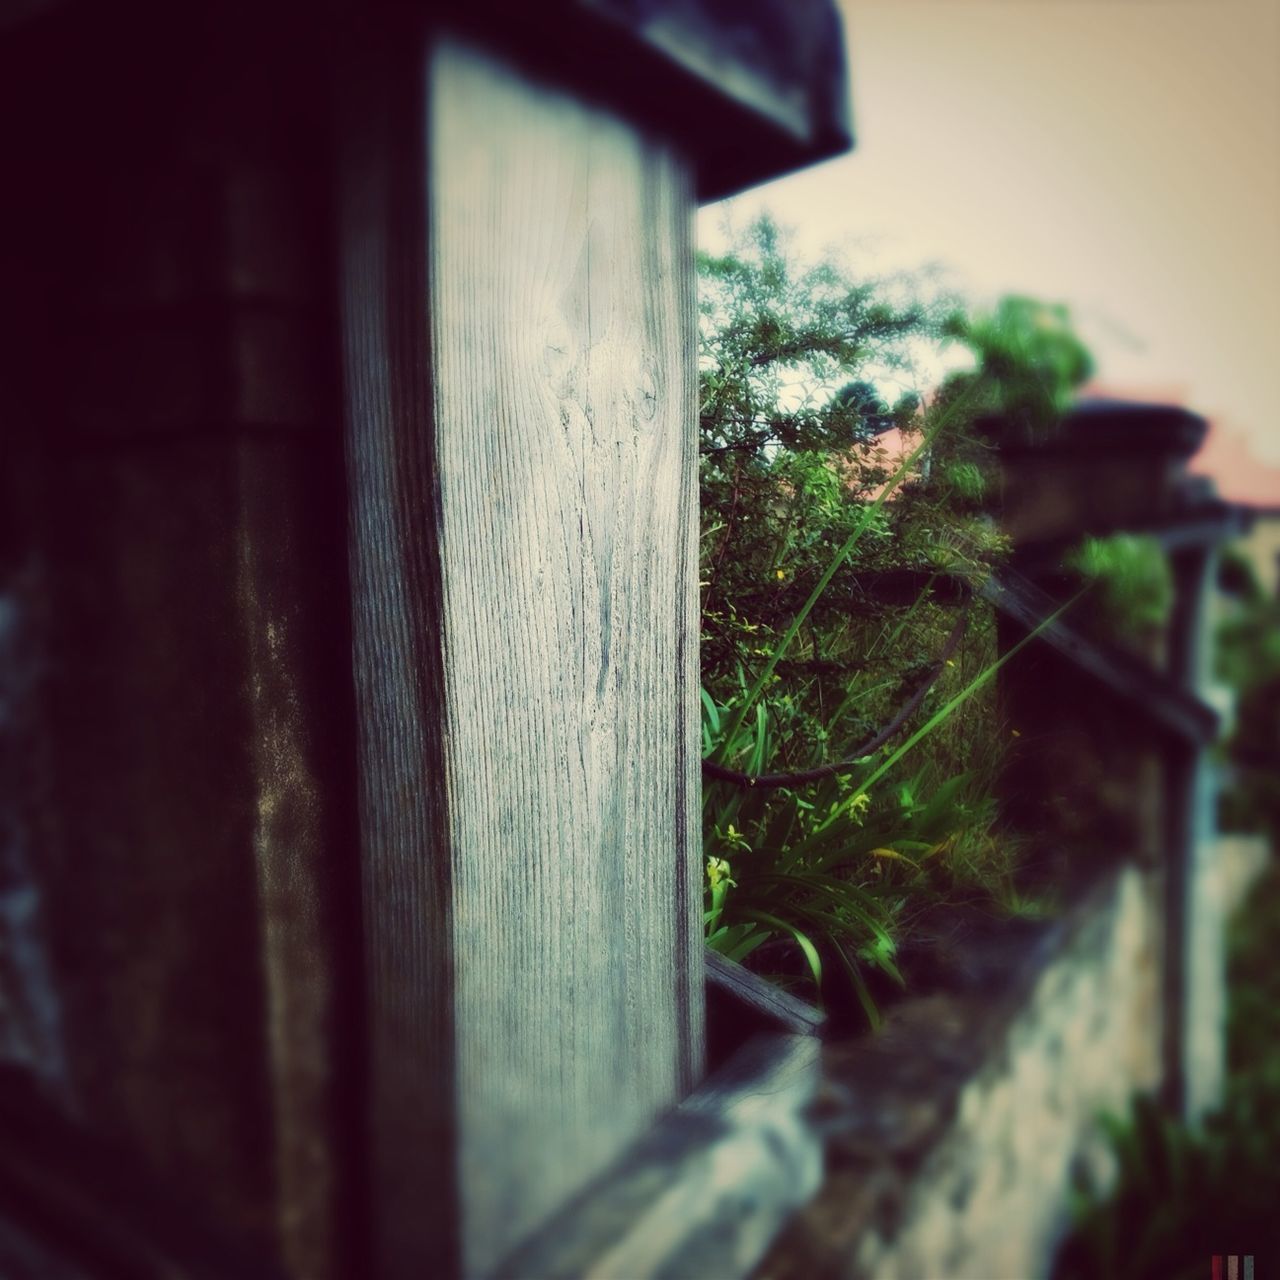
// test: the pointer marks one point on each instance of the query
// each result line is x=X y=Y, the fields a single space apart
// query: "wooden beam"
x=521 y=458
x=397 y=660
x=1156 y=697
x=765 y=998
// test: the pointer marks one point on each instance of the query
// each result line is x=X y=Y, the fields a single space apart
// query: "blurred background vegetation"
x=1247 y=655
x=849 y=712
x=852 y=737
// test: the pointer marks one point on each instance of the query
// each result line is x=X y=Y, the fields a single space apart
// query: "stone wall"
x=954 y=1132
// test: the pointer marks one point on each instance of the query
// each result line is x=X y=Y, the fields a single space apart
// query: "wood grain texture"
x=562 y=274
x=765 y=998
x=397 y=637
x=707 y=1188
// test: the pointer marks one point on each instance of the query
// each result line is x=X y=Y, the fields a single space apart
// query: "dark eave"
x=749 y=89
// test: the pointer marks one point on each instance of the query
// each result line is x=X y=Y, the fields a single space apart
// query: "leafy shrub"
x=1029 y=361
x=842 y=538
x=1247 y=654
x=1132 y=581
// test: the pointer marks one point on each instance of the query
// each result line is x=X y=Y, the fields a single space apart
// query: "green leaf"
x=865 y=519
x=802 y=940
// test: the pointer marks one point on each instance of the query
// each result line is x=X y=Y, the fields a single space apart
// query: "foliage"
x=1247 y=653
x=1182 y=1195
x=779 y=344
x=797 y=442
x=842 y=532
x=1029 y=362
x=1248 y=648
x=1132 y=580
x=839 y=867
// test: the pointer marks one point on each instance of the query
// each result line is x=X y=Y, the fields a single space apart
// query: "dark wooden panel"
x=399 y=682
x=198 y=714
x=187 y=717
x=76 y=1206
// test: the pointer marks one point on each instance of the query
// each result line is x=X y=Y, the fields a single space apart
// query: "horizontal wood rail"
x=1154 y=695
x=763 y=997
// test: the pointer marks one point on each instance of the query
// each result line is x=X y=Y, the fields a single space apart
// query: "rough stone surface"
x=955 y=1130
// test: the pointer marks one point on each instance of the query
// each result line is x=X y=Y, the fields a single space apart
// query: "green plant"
x=842 y=538
x=1132 y=580
x=834 y=865
x=799 y=448
x=1247 y=656
x=1028 y=358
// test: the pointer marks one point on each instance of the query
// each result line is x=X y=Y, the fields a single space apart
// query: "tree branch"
x=834 y=345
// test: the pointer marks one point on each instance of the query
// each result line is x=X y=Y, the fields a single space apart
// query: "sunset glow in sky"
x=1122 y=156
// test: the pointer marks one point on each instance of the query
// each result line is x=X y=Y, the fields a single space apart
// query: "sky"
x=1122 y=156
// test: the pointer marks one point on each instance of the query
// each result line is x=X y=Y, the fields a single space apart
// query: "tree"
x=775 y=338
x=839 y=624
x=829 y=613
x=1028 y=358
x=804 y=373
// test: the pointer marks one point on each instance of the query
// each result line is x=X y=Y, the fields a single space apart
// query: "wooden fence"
x=349 y=855
x=350 y=892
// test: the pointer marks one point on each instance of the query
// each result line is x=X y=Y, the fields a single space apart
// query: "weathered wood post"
x=1195 y=1046
x=1107 y=467
x=350 y=553
x=1116 y=466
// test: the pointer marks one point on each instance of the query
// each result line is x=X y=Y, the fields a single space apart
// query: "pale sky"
x=1122 y=156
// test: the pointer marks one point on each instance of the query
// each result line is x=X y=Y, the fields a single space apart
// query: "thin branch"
x=834 y=345
x=728 y=528
x=890 y=730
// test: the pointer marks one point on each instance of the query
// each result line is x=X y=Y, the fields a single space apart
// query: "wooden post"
x=350 y=556
x=1126 y=464
x=525 y=606
x=521 y=437
x=1195 y=962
